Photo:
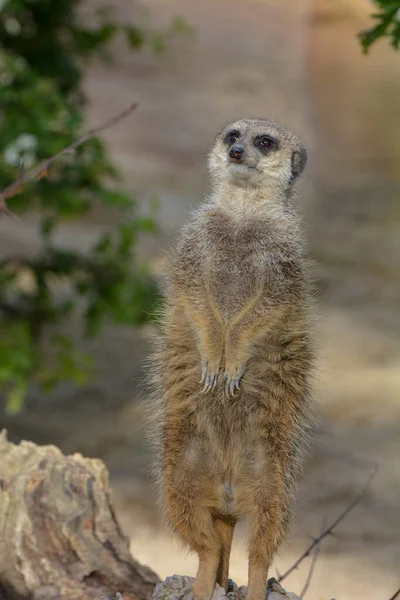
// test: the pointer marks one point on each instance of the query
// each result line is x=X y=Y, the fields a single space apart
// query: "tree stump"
x=59 y=537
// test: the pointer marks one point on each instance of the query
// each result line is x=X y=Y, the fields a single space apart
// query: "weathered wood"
x=59 y=537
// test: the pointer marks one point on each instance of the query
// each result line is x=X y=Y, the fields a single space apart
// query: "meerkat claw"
x=239 y=376
x=203 y=371
x=215 y=381
x=223 y=381
x=206 y=385
x=229 y=386
x=210 y=381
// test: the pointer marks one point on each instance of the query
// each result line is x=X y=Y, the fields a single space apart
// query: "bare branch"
x=313 y=562
x=395 y=595
x=330 y=528
x=4 y=208
x=42 y=168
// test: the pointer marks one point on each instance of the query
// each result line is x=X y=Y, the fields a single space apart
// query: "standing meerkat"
x=233 y=364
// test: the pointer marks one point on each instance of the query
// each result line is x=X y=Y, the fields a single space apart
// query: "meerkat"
x=232 y=386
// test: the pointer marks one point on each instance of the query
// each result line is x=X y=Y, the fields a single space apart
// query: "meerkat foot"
x=208 y=377
x=231 y=384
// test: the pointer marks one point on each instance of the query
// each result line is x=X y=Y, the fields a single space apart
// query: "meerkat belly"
x=238 y=478
x=228 y=466
x=238 y=486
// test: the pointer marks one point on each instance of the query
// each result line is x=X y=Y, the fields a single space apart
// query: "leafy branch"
x=387 y=25
x=44 y=50
x=41 y=170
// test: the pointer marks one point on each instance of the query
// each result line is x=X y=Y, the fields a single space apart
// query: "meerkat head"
x=256 y=152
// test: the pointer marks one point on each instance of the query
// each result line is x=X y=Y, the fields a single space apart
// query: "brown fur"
x=238 y=297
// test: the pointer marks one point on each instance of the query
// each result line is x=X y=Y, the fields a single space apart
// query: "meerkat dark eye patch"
x=265 y=143
x=232 y=136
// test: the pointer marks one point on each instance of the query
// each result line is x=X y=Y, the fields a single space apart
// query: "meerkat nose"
x=236 y=152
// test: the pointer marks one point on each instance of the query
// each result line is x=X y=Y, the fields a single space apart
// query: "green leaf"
x=158 y=44
x=135 y=36
x=47 y=227
x=15 y=399
x=387 y=25
x=180 y=26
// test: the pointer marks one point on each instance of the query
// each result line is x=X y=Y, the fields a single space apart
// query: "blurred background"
x=77 y=267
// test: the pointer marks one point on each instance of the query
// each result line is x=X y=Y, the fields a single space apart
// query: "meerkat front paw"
x=209 y=375
x=231 y=380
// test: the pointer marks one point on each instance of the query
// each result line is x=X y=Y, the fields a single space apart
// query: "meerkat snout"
x=236 y=153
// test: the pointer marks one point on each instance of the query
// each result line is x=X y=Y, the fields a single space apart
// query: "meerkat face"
x=256 y=152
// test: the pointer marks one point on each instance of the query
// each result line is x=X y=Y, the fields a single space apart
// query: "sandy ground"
x=246 y=58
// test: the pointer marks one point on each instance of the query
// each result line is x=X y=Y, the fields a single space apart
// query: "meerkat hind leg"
x=225 y=529
x=213 y=563
x=264 y=534
x=204 y=584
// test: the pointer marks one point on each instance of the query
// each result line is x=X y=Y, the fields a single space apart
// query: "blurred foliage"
x=45 y=47
x=387 y=24
x=139 y=37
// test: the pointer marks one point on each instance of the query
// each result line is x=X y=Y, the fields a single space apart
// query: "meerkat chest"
x=235 y=267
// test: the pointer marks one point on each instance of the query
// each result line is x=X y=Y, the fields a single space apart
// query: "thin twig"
x=313 y=562
x=41 y=169
x=331 y=527
x=395 y=595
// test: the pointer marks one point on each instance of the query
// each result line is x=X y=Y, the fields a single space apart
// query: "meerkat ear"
x=299 y=159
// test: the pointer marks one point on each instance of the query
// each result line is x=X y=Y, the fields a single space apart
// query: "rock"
x=175 y=585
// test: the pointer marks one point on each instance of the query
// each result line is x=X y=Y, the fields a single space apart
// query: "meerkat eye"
x=266 y=142
x=232 y=136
